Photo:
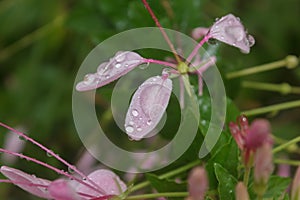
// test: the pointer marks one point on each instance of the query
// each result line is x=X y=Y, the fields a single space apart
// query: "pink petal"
x=147 y=106
x=25 y=181
x=106 y=180
x=61 y=190
x=117 y=66
x=230 y=30
x=199 y=32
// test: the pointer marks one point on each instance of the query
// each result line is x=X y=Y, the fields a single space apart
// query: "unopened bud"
x=296 y=186
x=291 y=61
x=197 y=183
x=241 y=192
x=263 y=168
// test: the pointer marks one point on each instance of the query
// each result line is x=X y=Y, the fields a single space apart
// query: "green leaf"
x=226 y=181
x=165 y=185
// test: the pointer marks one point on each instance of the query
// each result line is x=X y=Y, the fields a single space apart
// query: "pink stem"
x=160 y=62
x=161 y=29
x=196 y=49
x=50 y=167
x=52 y=154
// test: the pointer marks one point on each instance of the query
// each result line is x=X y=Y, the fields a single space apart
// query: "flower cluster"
x=151 y=99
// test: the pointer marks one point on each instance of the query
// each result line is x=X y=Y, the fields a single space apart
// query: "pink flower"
x=119 y=65
x=100 y=184
x=230 y=30
x=250 y=138
x=197 y=184
x=147 y=106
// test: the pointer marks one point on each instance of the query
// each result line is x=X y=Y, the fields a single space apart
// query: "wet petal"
x=61 y=190
x=147 y=106
x=117 y=66
x=230 y=30
x=26 y=181
x=108 y=181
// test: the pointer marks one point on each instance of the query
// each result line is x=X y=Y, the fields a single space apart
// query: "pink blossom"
x=117 y=66
x=250 y=138
x=147 y=106
x=197 y=183
x=230 y=30
x=100 y=184
x=199 y=32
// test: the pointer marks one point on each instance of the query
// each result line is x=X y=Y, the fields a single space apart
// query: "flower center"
x=182 y=68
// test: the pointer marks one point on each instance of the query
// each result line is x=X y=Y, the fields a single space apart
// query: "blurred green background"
x=43 y=43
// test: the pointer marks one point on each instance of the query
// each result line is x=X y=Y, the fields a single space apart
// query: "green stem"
x=272 y=108
x=289 y=162
x=167 y=175
x=286 y=145
x=290 y=62
x=30 y=38
x=156 y=195
x=283 y=88
x=246 y=175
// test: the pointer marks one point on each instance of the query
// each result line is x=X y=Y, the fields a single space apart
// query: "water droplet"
x=22 y=138
x=71 y=169
x=139 y=129
x=144 y=66
x=107 y=76
x=250 y=40
x=33 y=176
x=49 y=153
x=120 y=56
x=129 y=129
x=140 y=118
x=134 y=112
x=89 y=78
x=126 y=64
x=149 y=122
x=217 y=19
x=118 y=65
x=84 y=179
x=131 y=123
x=130 y=138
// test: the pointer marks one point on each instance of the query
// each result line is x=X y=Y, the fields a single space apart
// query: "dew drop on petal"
x=134 y=112
x=120 y=56
x=118 y=65
x=149 y=122
x=131 y=123
x=107 y=76
x=89 y=78
x=139 y=129
x=70 y=170
x=129 y=129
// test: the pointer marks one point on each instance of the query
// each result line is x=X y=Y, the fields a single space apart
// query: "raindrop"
x=131 y=123
x=149 y=122
x=130 y=138
x=107 y=76
x=134 y=112
x=212 y=41
x=139 y=129
x=49 y=153
x=88 y=79
x=71 y=169
x=22 y=138
x=120 y=56
x=129 y=129
x=250 y=40
x=140 y=118
x=217 y=19
x=118 y=65
x=126 y=64
x=84 y=179
x=33 y=176
x=144 y=66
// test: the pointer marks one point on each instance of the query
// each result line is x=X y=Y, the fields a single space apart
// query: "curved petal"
x=230 y=30
x=147 y=106
x=26 y=181
x=61 y=190
x=106 y=180
x=117 y=66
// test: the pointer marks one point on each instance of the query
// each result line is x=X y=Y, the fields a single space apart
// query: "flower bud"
x=241 y=192
x=263 y=168
x=197 y=183
x=296 y=186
